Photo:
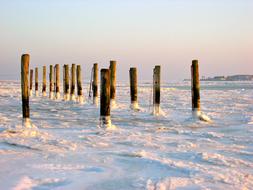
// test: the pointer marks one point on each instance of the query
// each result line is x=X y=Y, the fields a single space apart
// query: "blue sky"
x=139 y=33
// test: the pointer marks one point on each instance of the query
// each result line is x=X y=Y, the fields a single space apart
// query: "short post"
x=113 y=82
x=51 y=85
x=133 y=88
x=79 y=84
x=44 y=84
x=36 y=82
x=95 y=84
x=57 y=69
x=195 y=87
x=24 y=87
x=73 y=81
x=66 y=83
x=31 y=82
x=156 y=89
x=105 y=97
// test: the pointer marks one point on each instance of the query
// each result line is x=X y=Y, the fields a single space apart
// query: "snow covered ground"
x=66 y=148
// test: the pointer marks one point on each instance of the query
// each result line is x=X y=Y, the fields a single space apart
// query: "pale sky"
x=141 y=33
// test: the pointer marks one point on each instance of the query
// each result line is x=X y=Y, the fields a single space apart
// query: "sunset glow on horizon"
x=139 y=33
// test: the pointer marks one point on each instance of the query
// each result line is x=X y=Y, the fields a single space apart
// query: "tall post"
x=113 y=81
x=54 y=81
x=57 y=81
x=79 y=84
x=63 y=80
x=156 y=89
x=51 y=80
x=195 y=86
x=31 y=82
x=133 y=88
x=36 y=81
x=44 y=84
x=24 y=86
x=105 y=97
x=66 y=83
x=95 y=84
x=73 y=81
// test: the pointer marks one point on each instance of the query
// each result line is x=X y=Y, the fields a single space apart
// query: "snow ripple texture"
x=67 y=149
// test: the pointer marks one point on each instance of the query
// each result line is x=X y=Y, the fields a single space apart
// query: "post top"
x=104 y=70
x=195 y=63
x=112 y=61
x=25 y=58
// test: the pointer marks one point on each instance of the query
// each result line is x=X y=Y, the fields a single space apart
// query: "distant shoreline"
x=227 y=78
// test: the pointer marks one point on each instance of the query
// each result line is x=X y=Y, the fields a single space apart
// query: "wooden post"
x=24 y=86
x=195 y=86
x=44 y=84
x=31 y=82
x=54 y=81
x=57 y=67
x=73 y=81
x=63 y=80
x=113 y=81
x=133 y=88
x=51 y=79
x=36 y=82
x=95 y=84
x=156 y=89
x=105 y=97
x=79 y=84
x=66 y=82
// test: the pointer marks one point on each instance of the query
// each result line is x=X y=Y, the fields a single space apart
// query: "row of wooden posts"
x=107 y=86
x=54 y=84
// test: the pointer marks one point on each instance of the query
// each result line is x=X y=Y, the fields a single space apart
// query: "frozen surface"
x=66 y=148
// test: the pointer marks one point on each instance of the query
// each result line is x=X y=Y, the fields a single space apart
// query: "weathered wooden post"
x=63 y=80
x=31 y=82
x=66 y=83
x=105 y=97
x=95 y=84
x=51 y=85
x=195 y=87
x=54 y=81
x=79 y=84
x=36 y=82
x=113 y=82
x=44 y=84
x=58 y=95
x=73 y=81
x=156 y=89
x=133 y=88
x=24 y=87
